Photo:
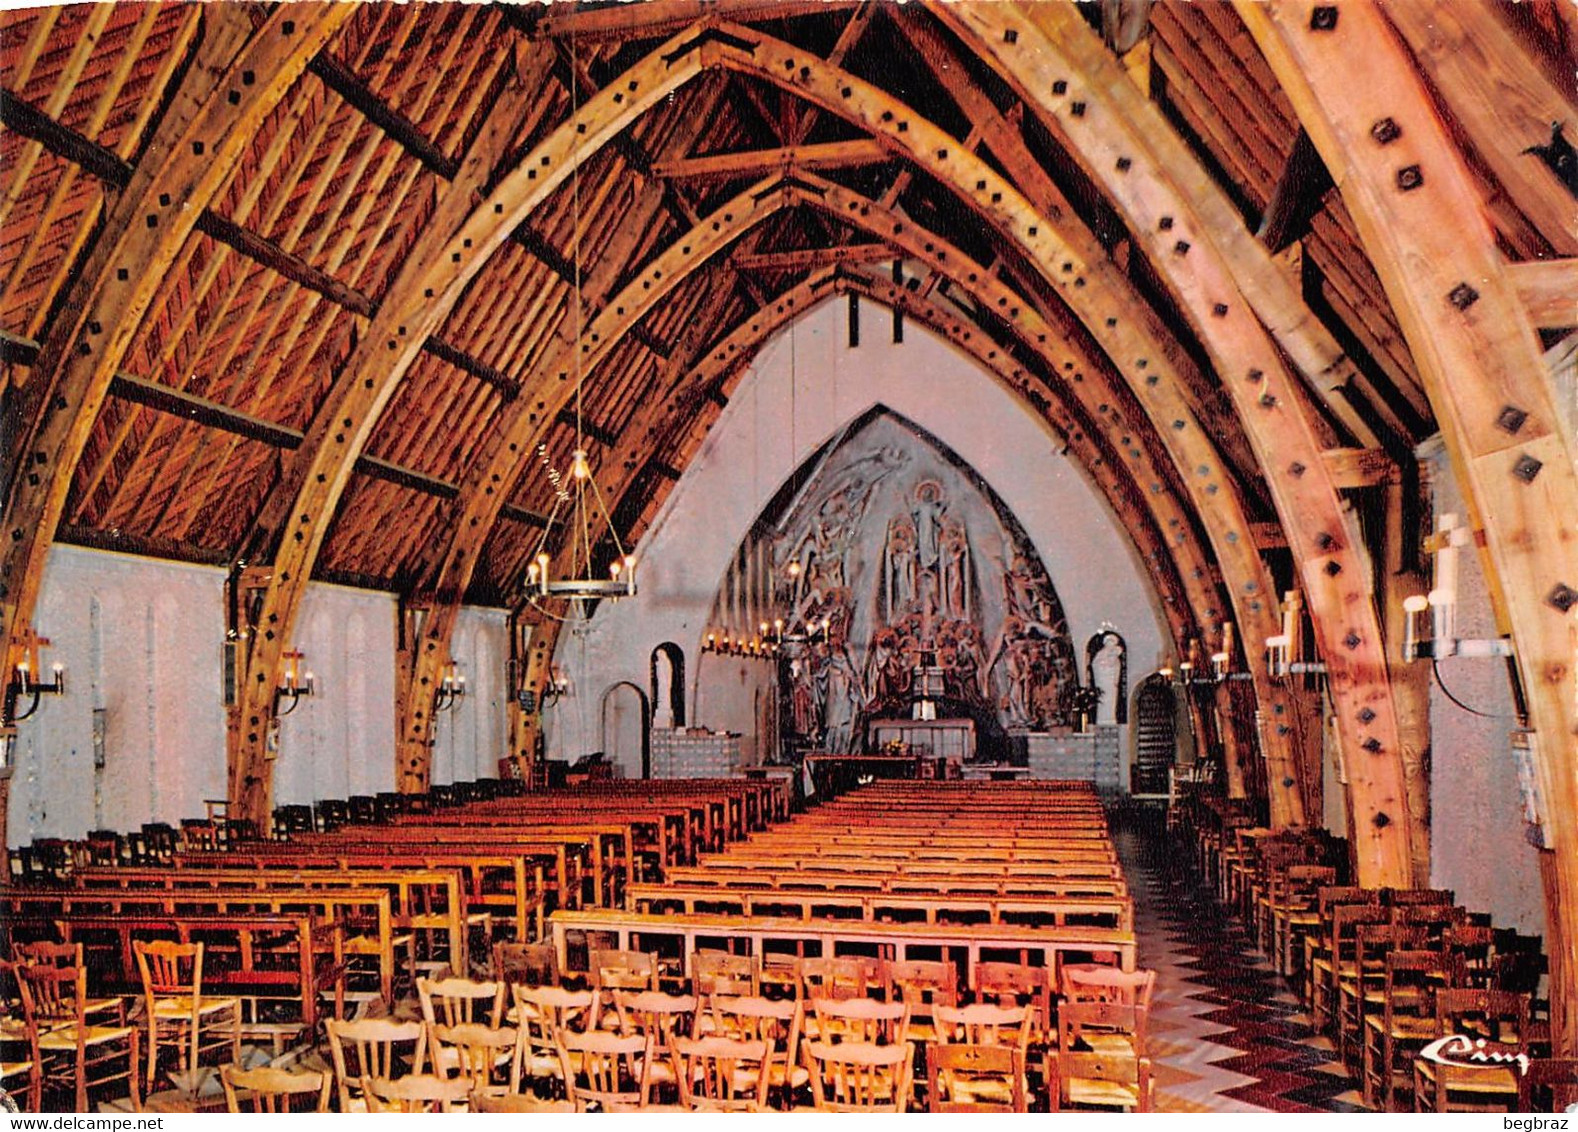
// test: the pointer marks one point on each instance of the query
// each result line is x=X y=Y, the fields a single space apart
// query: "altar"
x=940 y=738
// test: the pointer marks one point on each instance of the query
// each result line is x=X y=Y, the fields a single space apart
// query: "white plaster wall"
x=340 y=740
x=770 y=426
x=1477 y=847
x=140 y=639
x=471 y=738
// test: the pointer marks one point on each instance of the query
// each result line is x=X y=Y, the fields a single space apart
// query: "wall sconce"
x=1282 y=649
x=558 y=686
x=24 y=683
x=296 y=683
x=1442 y=602
x=451 y=688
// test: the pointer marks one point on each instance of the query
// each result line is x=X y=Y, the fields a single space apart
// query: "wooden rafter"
x=756 y=162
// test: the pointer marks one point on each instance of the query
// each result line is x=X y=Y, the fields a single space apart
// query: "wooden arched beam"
x=520 y=431
x=1112 y=320
x=1374 y=123
x=427 y=291
x=238 y=76
x=1168 y=220
x=470 y=223
x=1182 y=590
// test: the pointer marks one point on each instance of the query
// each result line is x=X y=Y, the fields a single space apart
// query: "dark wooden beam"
x=537 y=244
x=32 y=123
x=507 y=387
x=644 y=336
x=124 y=543
x=757 y=162
x=809 y=259
x=291 y=266
x=1296 y=197
x=339 y=78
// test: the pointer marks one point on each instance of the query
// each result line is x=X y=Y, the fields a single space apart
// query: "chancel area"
x=789 y=555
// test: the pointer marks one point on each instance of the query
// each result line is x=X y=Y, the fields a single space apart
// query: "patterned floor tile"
x=1228 y=1034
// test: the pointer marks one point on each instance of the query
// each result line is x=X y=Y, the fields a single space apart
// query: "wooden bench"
x=940 y=908
x=272 y=962
x=429 y=899
x=368 y=912
x=635 y=931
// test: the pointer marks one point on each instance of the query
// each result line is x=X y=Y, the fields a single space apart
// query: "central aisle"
x=1226 y=1033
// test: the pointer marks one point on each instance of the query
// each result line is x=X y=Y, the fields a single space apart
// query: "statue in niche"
x=1107 y=670
x=804 y=710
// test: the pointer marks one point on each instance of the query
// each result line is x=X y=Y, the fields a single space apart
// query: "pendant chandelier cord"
x=575 y=241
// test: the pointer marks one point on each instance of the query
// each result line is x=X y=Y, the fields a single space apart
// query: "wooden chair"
x=109 y=1011
x=1549 y=1085
x=478 y=1053
x=525 y=964
x=923 y=985
x=73 y=1052
x=624 y=970
x=661 y=1017
x=267 y=1089
x=1406 y=1022
x=964 y=1077
x=19 y=1055
x=1500 y=1019
x=835 y=977
x=1101 y=1080
x=455 y=1001
x=1292 y=913
x=417 y=1092
x=722 y=972
x=860 y=1077
x=606 y=1070
x=861 y=1020
x=1088 y=982
x=176 y=1007
x=722 y=1075
x=373 y=1047
x=984 y=1024
x=780 y=1023
x=1318 y=940
x=1360 y=990
x=541 y=1013
x=1340 y=959
x=521 y=1103
x=1010 y=984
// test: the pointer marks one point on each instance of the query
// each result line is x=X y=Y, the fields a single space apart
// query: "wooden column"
x=1424 y=226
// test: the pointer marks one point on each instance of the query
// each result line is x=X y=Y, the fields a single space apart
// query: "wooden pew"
x=687 y=932
x=365 y=903
x=278 y=958
x=1101 y=911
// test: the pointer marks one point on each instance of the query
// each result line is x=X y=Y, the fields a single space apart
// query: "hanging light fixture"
x=578 y=506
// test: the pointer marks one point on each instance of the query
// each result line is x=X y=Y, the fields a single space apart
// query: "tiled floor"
x=1227 y=1034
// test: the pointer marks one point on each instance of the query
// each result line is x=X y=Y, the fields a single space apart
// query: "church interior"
x=789 y=555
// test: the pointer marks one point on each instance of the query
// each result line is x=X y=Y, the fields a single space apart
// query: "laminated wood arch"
x=238 y=75
x=1213 y=289
x=492 y=476
x=1370 y=117
x=1106 y=316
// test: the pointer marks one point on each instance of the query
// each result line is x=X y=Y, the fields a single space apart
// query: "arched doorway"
x=1155 y=735
x=625 y=726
